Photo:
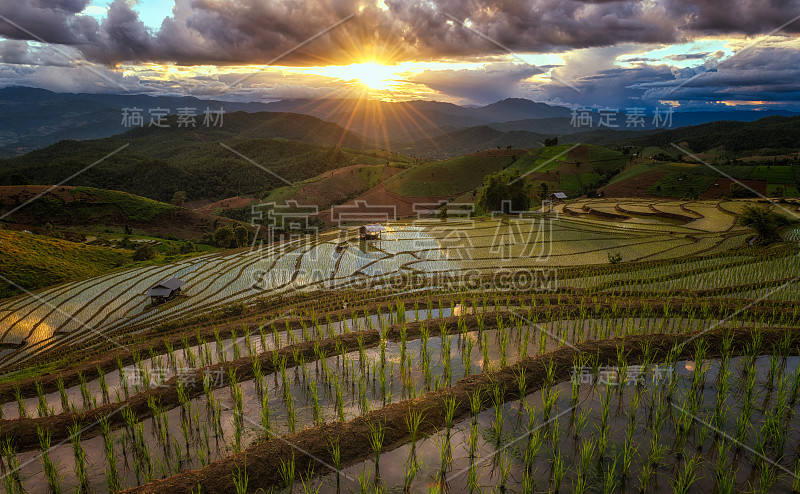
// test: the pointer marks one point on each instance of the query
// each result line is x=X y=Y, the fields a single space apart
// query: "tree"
x=144 y=252
x=544 y=191
x=178 y=198
x=505 y=187
x=765 y=222
x=550 y=141
x=240 y=234
x=188 y=247
x=223 y=236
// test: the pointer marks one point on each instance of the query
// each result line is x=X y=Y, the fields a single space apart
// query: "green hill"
x=35 y=261
x=88 y=210
x=768 y=135
x=446 y=178
x=470 y=140
x=159 y=161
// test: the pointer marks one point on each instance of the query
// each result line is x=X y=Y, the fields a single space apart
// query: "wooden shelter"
x=165 y=290
x=371 y=232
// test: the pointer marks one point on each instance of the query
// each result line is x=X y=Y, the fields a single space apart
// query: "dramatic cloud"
x=255 y=31
x=490 y=84
x=736 y=16
x=616 y=53
x=767 y=73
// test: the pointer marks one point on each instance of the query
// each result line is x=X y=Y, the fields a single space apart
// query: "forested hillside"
x=158 y=161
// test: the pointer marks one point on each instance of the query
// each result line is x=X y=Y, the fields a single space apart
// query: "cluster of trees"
x=551 y=141
x=146 y=252
x=505 y=192
x=229 y=237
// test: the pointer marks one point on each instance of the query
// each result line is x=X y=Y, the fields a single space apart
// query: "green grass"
x=760 y=173
x=630 y=173
x=739 y=172
x=35 y=261
x=773 y=174
x=604 y=159
x=677 y=184
x=450 y=177
x=788 y=190
x=282 y=194
x=781 y=175
x=134 y=208
x=371 y=175
x=539 y=159
x=577 y=182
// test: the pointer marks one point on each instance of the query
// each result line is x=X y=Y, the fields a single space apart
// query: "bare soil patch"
x=634 y=186
x=723 y=186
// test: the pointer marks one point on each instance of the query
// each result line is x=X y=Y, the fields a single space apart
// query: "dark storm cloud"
x=255 y=31
x=762 y=73
x=613 y=88
x=736 y=16
x=72 y=6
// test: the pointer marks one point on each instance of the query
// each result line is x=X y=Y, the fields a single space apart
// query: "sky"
x=706 y=54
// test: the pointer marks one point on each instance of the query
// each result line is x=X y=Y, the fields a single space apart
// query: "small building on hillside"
x=371 y=232
x=558 y=196
x=165 y=290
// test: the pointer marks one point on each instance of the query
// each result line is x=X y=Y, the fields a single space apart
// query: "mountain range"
x=32 y=118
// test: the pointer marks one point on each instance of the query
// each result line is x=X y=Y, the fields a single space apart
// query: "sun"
x=370 y=75
x=373 y=75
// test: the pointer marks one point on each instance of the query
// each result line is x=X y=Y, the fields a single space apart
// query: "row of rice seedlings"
x=112 y=477
x=81 y=472
x=50 y=469
x=12 y=480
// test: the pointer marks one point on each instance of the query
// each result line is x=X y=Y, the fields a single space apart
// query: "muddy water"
x=153 y=371
x=496 y=459
x=221 y=441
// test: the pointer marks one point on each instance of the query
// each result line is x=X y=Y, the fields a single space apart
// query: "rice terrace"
x=399 y=247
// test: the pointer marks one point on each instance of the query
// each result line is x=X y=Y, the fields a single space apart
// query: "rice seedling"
x=467 y=356
x=412 y=467
x=364 y=480
x=473 y=440
x=50 y=469
x=497 y=424
x=41 y=407
x=609 y=477
x=534 y=440
x=12 y=481
x=87 y=396
x=287 y=473
x=20 y=401
x=687 y=476
x=413 y=421
x=240 y=478
x=80 y=457
x=586 y=453
x=559 y=471
x=112 y=477
x=377 y=434
x=485 y=350
x=472 y=478
x=336 y=458
x=581 y=418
